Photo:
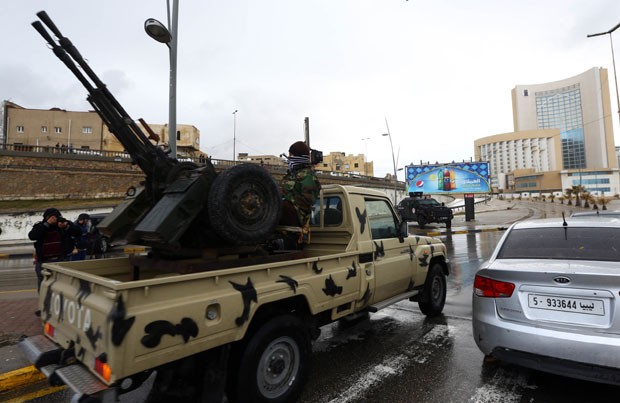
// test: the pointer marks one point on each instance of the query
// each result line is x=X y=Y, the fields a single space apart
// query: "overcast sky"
x=440 y=72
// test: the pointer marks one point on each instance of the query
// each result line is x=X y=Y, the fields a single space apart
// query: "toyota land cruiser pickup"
x=233 y=326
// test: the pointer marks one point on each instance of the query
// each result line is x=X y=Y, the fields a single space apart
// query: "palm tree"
x=577 y=190
x=569 y=195
x=587 y=197
x=603 y=202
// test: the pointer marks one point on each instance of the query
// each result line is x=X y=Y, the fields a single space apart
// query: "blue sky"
x=440 y=72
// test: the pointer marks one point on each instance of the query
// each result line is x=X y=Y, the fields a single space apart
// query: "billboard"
x=462 y=177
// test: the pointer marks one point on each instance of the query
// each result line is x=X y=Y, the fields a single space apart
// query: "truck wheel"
x=421 y=221
x=273 y=365
x=434 y=295
x=244 y=204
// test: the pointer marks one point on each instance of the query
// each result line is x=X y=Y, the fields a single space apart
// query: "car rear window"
x=572 y=243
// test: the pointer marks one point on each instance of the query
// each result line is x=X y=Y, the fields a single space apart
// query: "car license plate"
x=565 y=304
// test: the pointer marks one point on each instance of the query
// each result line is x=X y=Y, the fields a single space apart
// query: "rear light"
x=103 y=369
x=49 y=330
x=486 y=287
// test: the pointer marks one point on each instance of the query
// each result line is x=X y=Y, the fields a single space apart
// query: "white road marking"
x=417 y=352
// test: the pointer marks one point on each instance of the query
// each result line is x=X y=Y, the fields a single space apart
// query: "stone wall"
x=29 y=176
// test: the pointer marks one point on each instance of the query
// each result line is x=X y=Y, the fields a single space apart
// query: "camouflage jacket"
x=301 y=188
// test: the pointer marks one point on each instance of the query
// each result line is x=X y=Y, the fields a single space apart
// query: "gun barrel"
x=152 y=160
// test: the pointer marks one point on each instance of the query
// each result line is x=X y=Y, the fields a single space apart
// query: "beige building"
x=562 y=129
x=339 y=162
x=23 y=128
x=37 y=127
x=261 y=159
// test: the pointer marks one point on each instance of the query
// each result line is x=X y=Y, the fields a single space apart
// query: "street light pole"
x=169 y=36
x=393 y=160
x=613 y=60
x=234 y=135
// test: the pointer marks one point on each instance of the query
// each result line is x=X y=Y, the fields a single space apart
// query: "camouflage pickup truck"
x=216 y=328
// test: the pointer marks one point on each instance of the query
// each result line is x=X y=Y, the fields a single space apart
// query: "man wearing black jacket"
x=53 y=242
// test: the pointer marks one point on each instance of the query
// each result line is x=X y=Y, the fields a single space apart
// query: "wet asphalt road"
x=398 y=355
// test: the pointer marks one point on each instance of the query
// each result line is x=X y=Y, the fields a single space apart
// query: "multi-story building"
x=563 y=137
x=22 y=128
x=261 y=159
x=339 y=162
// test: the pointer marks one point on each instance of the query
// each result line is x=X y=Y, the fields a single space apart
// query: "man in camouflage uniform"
x=300 y=188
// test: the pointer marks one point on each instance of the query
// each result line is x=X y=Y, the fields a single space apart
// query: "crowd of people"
x=57 y=239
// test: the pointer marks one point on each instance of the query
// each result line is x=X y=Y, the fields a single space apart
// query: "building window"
x=43 y=129
x=20 y=129
x=57 y=130
x=87 y=130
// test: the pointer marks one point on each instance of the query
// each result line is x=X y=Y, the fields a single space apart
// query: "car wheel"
x=104 y=245
x=244 y=204
x=274 y=363
x=421 y=221
x=433 y=297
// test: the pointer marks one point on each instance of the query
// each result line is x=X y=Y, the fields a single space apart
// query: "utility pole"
x=307 y=130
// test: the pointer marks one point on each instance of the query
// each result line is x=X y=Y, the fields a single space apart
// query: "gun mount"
x=181 y=208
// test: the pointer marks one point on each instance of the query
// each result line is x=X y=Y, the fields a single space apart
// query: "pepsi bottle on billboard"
x=446 y=180
x=440 y=179
x=452 y=180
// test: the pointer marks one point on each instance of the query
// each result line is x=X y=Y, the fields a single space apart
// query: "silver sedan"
x=548 y=298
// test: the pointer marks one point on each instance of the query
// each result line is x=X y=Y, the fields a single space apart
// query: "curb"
x=19 y=378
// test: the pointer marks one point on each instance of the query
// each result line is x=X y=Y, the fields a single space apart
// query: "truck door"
x=393 y=265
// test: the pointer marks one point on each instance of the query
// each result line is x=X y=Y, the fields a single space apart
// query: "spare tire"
x=244 y=204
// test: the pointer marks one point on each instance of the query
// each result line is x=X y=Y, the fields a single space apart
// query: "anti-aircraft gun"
x=181 y=208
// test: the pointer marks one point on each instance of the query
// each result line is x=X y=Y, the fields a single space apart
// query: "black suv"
x=424 y=209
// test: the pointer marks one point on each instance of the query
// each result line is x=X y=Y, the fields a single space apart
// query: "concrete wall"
x=15 y=226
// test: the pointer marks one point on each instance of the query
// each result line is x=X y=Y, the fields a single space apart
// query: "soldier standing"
x=300 y=188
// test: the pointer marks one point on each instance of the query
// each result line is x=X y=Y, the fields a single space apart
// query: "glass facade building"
x=561 y=109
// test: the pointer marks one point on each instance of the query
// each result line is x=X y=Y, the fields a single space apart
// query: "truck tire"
x=421 y=221
x=433 y=297
x=244 y=204
x=272 y=365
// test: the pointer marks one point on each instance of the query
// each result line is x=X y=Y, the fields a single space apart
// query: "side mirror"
x=403 y=231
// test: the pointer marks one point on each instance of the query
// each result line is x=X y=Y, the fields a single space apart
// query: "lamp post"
x=393 y=161
x=613 y=60
x=234 y=135
x=169 y=36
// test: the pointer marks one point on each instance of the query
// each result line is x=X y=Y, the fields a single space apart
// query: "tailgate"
x=78 y=315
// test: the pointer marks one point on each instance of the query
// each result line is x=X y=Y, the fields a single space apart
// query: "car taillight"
x=103 y=369
x=487 y=287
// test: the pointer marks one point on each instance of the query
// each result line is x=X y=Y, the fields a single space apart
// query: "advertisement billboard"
x=462 y=177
